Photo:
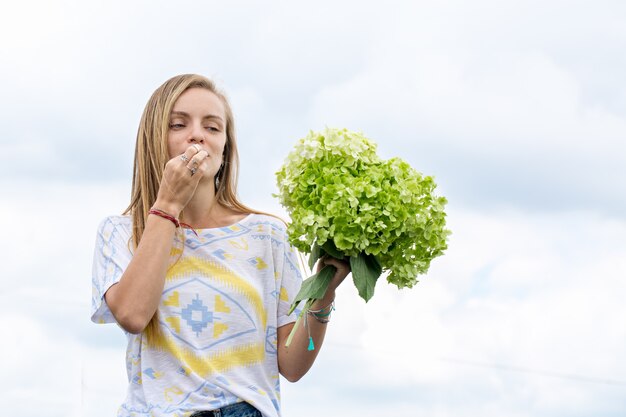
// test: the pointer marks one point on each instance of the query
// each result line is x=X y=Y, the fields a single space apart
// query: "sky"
x=517 y=108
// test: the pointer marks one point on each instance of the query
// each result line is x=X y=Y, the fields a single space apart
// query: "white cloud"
x=51 y=229
x=104 y=381
x=493 y=111
x=39 y=372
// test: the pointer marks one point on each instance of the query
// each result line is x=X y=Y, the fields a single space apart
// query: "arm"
x=135 y=298
x=296 y=360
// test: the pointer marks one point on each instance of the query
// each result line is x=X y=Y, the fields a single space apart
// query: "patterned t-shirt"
x=225 y=296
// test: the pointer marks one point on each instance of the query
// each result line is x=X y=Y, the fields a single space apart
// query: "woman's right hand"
x=180 y=180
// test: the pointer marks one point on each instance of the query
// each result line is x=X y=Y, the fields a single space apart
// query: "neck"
x=203 y=210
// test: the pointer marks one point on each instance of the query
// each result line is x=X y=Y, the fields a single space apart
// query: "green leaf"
x=365 y=273
x=330 y=248
x=314 y=287
x=316 y=253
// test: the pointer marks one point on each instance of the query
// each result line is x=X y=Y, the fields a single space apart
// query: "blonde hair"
x=151 y=155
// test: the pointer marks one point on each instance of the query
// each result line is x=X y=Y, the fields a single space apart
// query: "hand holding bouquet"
x=346 y=202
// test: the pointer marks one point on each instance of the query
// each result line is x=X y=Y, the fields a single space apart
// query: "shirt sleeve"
x=290 y=282
x=111 y=257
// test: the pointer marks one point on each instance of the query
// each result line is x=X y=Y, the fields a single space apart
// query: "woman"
x=200 y=283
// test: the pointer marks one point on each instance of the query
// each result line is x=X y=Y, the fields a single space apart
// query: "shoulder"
x=115 y=224
x=270 y=222
x=268 y=227
x=117 y=220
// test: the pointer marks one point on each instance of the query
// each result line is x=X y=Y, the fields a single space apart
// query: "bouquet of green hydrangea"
x=346 y=202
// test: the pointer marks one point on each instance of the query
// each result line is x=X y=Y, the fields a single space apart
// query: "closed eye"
x=176 y=125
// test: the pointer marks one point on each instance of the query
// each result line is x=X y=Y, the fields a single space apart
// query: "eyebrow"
x=209 y=116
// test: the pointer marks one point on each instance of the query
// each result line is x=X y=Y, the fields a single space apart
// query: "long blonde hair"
x=151 y=155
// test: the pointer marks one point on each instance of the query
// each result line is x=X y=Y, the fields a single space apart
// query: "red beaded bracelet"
x=171 y=218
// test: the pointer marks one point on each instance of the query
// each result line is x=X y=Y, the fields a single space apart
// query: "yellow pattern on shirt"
x=213 y=362
x=197 y=267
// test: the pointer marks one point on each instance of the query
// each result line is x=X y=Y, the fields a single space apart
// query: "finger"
x=199 y=163
x=188 y=154
x=192 y=170
x=197 y=159
x=329 y=260
x=340 y=265
x=321 y=263
x=194 y=164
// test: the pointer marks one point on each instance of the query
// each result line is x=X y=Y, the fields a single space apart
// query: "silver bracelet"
x=320 y=316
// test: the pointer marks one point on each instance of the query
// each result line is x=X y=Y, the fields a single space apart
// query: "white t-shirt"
x=222 y=303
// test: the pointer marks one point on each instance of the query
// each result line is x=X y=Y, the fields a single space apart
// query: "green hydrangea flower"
x=344 y=200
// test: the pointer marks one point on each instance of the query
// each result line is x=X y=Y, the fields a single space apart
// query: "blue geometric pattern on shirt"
x=274 y=230
x=256 y=261
x=276 y=404
x=219 y=399
x=222 y=380
x=265 y=237
x=150 y=372
x=274 y=226
x=202 y=317
x=220 y=254
x=222 y=399
x=205 y=237
x=292 y=265
x=270 y=340
x=274 y=400
x=110 y=268
x=226 y=336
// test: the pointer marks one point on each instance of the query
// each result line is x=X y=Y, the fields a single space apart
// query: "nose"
x=196 y=135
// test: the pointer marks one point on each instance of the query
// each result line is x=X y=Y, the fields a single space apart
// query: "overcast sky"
x=517 y=108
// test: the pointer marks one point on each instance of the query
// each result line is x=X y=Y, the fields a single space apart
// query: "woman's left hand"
x=343 y=269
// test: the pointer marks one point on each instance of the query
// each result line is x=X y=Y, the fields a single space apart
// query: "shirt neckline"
x=238 y=222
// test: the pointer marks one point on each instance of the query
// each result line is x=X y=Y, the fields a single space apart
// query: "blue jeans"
x=241 y=409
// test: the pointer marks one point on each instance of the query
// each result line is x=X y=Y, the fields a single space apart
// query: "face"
x=198 y=118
